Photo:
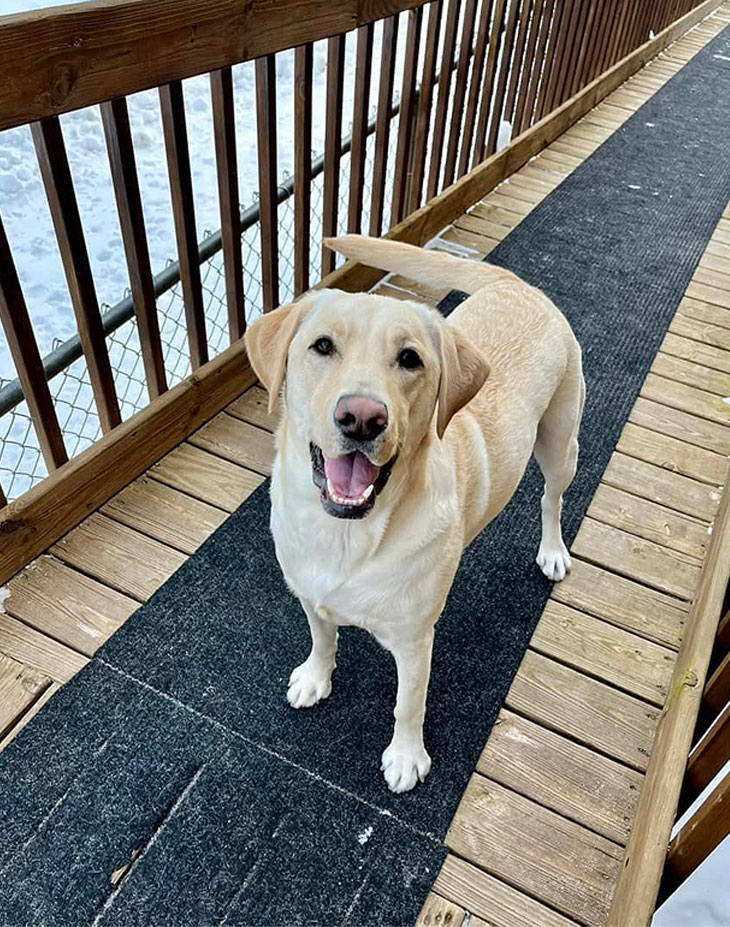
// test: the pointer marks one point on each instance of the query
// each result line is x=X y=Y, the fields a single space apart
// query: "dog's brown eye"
x=323 y=346
x=409 y=359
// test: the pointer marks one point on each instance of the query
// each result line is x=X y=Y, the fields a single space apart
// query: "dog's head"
x=365 y=376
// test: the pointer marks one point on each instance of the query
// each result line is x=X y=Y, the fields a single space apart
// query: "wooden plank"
x=61 y=196
x=519 y=65
x=165 y=514
x=685 y=371
x=253 y=406
x=536 y=850
x=462 y=80
x=498 y=106
x=650 y=521
x=717 y=690
x=67 y=605
x=651 y=614
x=638 y=883
x=426 y=222
x=237 y=441
x=707 y=758
x=531 y=111
x=673 y=454
x=118 y=134
x=453 y=17
x=689 y=399
x=19 y=688
x=604 y=651
x=563 y=776
x=224 y=129
x=30 y=524
x=267 y=152
x=536 y=19
x=423 y=112
x=206 y=476
x=489 y=93
x=55 y=73
x=704 y=831
x=664 y=569
x=30 y=713
x=681 y=423
x=382 y=123
x=408 y=98
x=361 y=107
x=708 y=293
x=41 y=653
x=465 y=131
x=303 y=69
x=118 y=556
x=489 y=898
x=172 y=106
x=27 y=359
x=589 y=711
x=438 y=912
x=332 y=145
x=713 y=335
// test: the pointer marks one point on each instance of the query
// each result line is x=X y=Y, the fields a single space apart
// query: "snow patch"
x=634 y=186
x=4 y=595
x=364 y=836
x=721 y=57
x=504 y=137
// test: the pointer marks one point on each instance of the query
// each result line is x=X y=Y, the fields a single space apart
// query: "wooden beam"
x=303 y=64
x=361 y=107
x=638 y=883
x=41 y=516
x=72 y=56
x=332 y=145
x=707 y=759
x=422 y=225
x=382 y=123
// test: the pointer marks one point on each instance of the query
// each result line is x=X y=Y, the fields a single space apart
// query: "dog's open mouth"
x=349 y=484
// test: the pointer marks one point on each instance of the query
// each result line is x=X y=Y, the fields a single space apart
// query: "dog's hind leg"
x=556 y=451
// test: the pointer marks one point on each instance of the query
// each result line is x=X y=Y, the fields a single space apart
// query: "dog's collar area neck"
x=346 y=507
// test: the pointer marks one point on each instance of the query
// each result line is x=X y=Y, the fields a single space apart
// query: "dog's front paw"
x=309 y=683
x=403 y=766
x=554 y=561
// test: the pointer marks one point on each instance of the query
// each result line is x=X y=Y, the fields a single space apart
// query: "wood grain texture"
x=37 y=651
x=20 y=723
x=253 y=407
x=20 y=686
x=707 y=759
x=266 y=128
x=332 y=145
x=165 y=514
x=689 y=399
x=496 y=902
x=563 y=776
x=631 y=556
x=591 y=712
x=361 y=106
x=67 y=605
x=438 y=912
x=382 y=123
x=30 y=524
x=237 y=441
x=604 y=651
x=114 y=554
x=206 y=476
x=683 y=423
x=673 y=454
x=303 y=70
x=550 y=858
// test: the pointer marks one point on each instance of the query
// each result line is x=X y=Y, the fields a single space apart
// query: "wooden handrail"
x=67 y=57
x=639 y=880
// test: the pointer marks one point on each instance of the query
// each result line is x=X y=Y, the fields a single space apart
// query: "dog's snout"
x=361 y=418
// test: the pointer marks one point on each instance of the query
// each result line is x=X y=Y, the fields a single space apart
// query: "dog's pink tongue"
x=350 y=474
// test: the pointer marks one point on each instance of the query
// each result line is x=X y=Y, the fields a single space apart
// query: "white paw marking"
x=404 y=766
x=554 y=561
x=309 y=683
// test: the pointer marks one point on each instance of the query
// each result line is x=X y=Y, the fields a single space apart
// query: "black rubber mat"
x=176 y=743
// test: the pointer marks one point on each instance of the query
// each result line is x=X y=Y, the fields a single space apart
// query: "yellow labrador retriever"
x=402 y=435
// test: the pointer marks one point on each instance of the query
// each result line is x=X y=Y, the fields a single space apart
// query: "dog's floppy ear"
x=464 y=370
x=268 y=340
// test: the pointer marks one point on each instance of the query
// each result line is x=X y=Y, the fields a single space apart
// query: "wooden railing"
x=537 y=65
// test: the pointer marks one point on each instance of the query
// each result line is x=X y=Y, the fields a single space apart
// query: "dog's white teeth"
x=330 y=488
x=368 y=492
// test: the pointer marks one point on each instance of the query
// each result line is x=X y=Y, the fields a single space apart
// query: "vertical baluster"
x=405 y=120
x=562 y=58
x=495 y=37
x=224 y=127
x=267 y=154
x=518 y=63
x=361 y=106
x=616 y=32
x=462 y=75
x=56 y=174
x=532 y=104
x=592 y=58
x=584 y=36
x=115 y=118
x=480 y=51
x=382 y=125
x=3 y=499
x=172 y=106
x=527 y=67
x=303 y=58
x=552 y=57
x=332 y=145
x=425 y=99
x=601 y=62
x=444 y=92
x=507 y=45
x=24 y=351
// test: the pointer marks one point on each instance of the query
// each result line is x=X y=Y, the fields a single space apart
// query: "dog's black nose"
x=361 y=418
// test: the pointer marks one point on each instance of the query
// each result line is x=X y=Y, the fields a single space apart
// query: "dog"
x=402 y=435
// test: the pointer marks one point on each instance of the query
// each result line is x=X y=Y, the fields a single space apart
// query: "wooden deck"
x=539 y=835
